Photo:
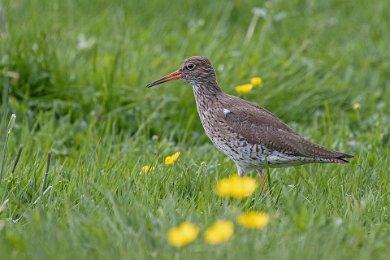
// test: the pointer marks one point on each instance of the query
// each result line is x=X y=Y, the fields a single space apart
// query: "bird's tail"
x=342 y=158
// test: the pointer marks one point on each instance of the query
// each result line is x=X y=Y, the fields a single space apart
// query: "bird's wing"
x=259 y=126
x=251 y=114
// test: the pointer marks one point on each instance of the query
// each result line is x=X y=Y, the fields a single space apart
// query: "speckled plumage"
x=248 y=134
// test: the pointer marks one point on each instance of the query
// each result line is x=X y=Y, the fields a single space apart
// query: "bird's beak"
x=172 y=76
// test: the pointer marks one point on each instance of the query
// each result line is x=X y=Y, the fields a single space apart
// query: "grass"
x=80 y=96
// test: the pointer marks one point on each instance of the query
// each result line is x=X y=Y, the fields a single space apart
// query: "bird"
x=248 y=134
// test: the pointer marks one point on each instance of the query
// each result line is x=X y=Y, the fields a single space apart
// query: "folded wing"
x=259 y=126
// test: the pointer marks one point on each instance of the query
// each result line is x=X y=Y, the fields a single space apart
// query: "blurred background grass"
x=82 y=67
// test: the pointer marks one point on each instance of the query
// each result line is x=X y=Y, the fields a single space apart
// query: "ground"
x=76 y=73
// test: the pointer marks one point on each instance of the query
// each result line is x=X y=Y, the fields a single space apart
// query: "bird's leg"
x=240 y=170
x=263 y=184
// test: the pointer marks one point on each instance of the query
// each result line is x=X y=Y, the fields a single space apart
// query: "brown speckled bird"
x=248 y=134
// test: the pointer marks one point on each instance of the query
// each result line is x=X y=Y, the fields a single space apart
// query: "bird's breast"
x=236 y=147
x=212 y=115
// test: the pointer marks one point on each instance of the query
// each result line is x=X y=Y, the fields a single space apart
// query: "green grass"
x=89 y=107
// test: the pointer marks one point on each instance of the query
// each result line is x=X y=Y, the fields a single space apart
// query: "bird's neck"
x=206 y=95
x=208 y=90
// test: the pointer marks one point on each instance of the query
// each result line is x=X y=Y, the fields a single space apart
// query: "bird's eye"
x=190 y=66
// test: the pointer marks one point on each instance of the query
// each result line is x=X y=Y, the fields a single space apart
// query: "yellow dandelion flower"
x=253 y=219
x=243 y=89
x=220 y=231
x=236 y=187
x=256 y=81
x=169 y=160
x=147 y=169
x=183 y=234
x=356 y=106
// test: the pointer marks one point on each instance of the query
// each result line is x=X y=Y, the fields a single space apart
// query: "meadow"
x=74 y=74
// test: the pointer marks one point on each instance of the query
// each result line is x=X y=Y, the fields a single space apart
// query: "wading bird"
x=248 y=134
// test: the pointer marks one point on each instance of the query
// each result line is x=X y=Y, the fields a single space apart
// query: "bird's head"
x=196 y=70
